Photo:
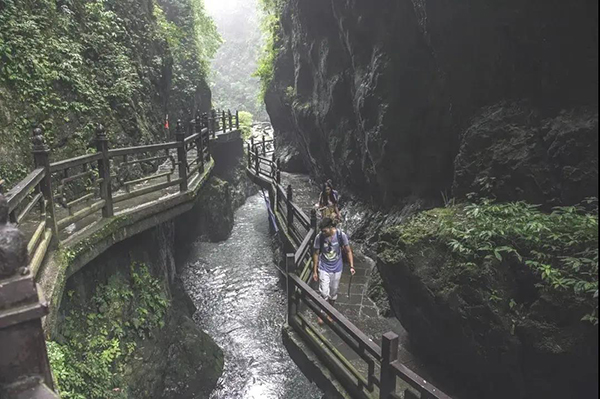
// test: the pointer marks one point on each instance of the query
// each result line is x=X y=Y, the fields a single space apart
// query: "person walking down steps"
x=330 y=246
x=328 y=204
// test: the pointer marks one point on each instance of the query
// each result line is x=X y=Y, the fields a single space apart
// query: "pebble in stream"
x=241 y=305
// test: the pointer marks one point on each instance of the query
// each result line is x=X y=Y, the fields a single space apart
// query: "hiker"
x=328 y=204
x=330 y=246
x=336 y=195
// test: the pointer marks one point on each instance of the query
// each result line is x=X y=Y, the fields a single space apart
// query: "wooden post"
x=181 y=157
x=290 y=268
x=264 y=145
x=256 y=163
x=252 y=143
x=278 y=172
x=237 y=119
x=290 y=207
x=224 y=119
x=24 y=365
x=104 y=172
x=199 y=143
x=41 y=157
x=215 y=123
x=230 y=117
x=272 y=198
x=249 y=156
x=389 y=354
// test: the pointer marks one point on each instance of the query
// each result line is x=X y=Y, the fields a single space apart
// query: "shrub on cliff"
x=503 y=294
x=560 y=248
x=69 y=65
x=89 y=360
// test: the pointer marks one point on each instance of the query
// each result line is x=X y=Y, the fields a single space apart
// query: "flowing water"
x=242 y=305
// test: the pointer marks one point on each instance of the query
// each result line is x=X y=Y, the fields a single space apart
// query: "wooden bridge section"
x=364 y=369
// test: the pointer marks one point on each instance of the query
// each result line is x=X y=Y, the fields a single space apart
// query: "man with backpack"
x=330 y=246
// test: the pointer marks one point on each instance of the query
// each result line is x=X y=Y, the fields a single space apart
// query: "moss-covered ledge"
x=80 y=249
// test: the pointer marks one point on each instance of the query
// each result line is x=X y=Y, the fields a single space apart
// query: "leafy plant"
x=246 y=120
x=560 y=247
x=99 y=338
x=271 y=27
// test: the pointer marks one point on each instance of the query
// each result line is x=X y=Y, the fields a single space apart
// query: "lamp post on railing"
x=181 y=157
x=290 y=206
x=24 y=366
x=104 y=172
x=41 y=158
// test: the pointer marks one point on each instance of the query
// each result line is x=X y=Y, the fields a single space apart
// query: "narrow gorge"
x=167 y=166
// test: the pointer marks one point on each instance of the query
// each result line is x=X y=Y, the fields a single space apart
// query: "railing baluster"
x=181 y=157
x=41 y=156
x=290 y=207
x=104 y=172
x=237 y=119
x=224 y=121
x=199 y=147
x=389 y=354
x=264 y=145
x=249 y=156
x=230 y=116
x=290 y=268
x=278 y=172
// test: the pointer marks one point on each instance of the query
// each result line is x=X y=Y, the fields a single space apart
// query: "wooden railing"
x=74 y=193
x=220 y=120
x=382 y=370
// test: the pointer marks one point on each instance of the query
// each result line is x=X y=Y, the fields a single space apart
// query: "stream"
x=242 y=306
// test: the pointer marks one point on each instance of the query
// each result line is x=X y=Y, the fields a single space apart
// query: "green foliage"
x=246 y=120
x=271 y=27
x=98 y=339
x=69 y=65
x=561 y=247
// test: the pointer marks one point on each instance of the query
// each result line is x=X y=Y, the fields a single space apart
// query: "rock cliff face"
x=68 y=65
x=399 y=99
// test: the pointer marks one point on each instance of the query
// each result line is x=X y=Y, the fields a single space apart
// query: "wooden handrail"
x=363 y=346
x=304 y=247
x=410 y=377
x=339 y=318
x=18 y=193
x=119 y=152
x=73 y=162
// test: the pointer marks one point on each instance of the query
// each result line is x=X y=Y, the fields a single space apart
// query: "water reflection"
x=241 y=304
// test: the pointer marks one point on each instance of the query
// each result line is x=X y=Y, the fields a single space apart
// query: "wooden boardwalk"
x=357 y=346
x=71 y=211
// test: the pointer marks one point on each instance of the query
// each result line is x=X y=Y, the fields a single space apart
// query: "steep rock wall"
x=383 y=96
x=69 y=65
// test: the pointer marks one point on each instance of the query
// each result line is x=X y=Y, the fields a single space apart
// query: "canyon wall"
x=405 y=99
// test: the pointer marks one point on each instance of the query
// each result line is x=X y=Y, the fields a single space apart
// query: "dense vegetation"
x=232 y=81
x=272 y=46
x=68 y=65
x=97 y=340
x=560 y=248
